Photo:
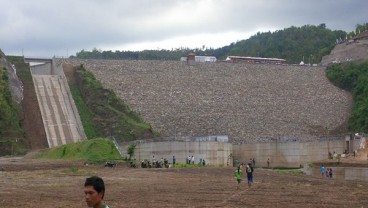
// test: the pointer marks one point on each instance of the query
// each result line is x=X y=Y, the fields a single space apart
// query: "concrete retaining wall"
x=218 y=152
x=290 y=153
x=214 y=152
x=42 y=69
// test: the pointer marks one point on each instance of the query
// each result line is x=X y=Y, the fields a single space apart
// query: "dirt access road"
x=32 y=183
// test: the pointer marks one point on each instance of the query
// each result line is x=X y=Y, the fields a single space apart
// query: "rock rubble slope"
x=247 y=102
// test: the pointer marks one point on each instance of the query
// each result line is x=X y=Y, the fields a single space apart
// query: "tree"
x=131 y=150
x=353 y=77
x=290 y=44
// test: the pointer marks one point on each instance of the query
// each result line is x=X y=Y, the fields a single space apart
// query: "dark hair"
x=97 y=183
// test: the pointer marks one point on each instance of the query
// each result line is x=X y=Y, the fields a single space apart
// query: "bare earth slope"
x=347 y=51
x=248 y=102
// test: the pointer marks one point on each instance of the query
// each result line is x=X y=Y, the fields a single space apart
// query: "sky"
x=47 y=28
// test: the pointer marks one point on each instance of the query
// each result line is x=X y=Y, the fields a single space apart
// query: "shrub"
x=353 y=77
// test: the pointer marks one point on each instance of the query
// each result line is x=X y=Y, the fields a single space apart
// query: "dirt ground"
x=34 y=183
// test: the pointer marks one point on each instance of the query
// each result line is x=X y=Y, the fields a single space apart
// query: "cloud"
x=42 y=27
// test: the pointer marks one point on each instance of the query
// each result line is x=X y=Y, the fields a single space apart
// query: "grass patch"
x=74 y=169
x=289 y=171
x=92 y=151
x=185 y=165
x=311 y=165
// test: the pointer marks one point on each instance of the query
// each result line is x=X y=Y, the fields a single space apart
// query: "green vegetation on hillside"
x=292 y=44
x=174 y=54
x=103 y=113
x=94 y=150
x=353 y=77
x=23 y=69
x=11 y=133
x=358 y=29
x=85 y=114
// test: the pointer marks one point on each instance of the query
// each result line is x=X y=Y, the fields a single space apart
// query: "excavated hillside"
x=247 y=102
x=353 y=50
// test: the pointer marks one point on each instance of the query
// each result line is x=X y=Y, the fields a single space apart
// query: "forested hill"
x=292 y=44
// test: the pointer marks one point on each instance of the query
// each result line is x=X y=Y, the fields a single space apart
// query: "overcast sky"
x=63 y=27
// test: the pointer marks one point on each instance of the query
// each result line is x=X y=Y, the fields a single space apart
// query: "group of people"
x=163 y=162
x=155 y=163
x=190 y=159
x=249 y=171
x=328 y=172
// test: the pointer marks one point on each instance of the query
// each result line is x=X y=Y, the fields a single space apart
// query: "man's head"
x=94 y=189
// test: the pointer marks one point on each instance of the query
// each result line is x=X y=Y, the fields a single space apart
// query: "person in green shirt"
x=94 y=190
x=238 y=174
